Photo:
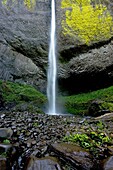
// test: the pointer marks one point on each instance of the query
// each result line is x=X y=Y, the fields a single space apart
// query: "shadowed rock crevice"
x=91 y=70
x=86 y=82
x=70 y=52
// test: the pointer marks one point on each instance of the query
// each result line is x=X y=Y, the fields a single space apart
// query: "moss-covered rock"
x=22 y=97
x=98 y=107
x=93 y=103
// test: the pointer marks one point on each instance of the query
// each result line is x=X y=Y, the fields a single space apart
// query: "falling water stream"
x=52 y=68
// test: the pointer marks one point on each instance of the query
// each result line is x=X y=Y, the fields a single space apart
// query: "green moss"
x=20 y=93
x=85 y=22
x=78 y=104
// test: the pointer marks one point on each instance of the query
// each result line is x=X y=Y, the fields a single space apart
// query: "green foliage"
x=92 y=139
x=21 y=93
x=78 y=104
x=3 y=154
x=35 y=124
x=85 y=22
x=6 y=141
x=89 y=141
x=82 y=139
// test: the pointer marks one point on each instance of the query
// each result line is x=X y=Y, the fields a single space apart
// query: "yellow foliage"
x=86 y=22
x=4 y=2
x=30 y=4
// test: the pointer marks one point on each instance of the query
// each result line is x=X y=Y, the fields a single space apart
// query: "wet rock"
x=106 y=117
x=3 y=163
x=46 y=163
x=110 y=150
x=5 y=147
x=8 y=154
x=86 y=71
x=97 y=108
x=6 y=132
x=2 y=102
x=73 y=154
x=108 y=165
x=2 y=116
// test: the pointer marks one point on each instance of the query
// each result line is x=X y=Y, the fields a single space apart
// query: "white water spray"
x=52 y=70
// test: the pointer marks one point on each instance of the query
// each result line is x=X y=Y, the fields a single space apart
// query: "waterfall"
x=52 y=68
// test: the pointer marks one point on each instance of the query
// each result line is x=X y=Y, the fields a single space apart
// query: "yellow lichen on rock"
x=30 y=4
x=85 y=22
x=4 y=2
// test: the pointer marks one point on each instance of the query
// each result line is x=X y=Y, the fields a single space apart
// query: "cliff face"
x=24 y=29
x=84 y=42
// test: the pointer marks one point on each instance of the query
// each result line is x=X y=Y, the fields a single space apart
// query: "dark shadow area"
x=86 y=82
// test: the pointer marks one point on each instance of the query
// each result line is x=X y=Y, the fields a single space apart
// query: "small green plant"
x=6 y=141
x=100 y=125
x=35 y=124
x=99 y=139
x=3 y=154
x=89 y=141
x=81 y=139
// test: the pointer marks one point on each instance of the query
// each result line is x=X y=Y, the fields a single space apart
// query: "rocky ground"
x=36 y=136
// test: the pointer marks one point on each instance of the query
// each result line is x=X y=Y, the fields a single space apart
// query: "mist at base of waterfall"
x=59 y=109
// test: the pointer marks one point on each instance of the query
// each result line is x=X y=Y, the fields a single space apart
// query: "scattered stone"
x=111 y=135
x=5 y=147
x=2 y=116
x=3 y=163
x=6 y=132
x=33 y=142
x=75 y=155
x=46 y=163
x=52 y=129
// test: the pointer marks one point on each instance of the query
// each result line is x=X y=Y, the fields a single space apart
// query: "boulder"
x=98 y=107
x=108 y=164
x=46 y=163
x=5 y=147
x=3 y=163
x=73 y=154
x=6 y=132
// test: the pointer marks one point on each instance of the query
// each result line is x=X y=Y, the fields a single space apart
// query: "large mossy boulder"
x=21 y=97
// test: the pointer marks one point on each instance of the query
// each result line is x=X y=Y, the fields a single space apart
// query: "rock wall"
x=86 y=45
x=84 y=42
x=24 y=30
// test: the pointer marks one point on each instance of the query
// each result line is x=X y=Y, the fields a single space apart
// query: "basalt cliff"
x=84 y=43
